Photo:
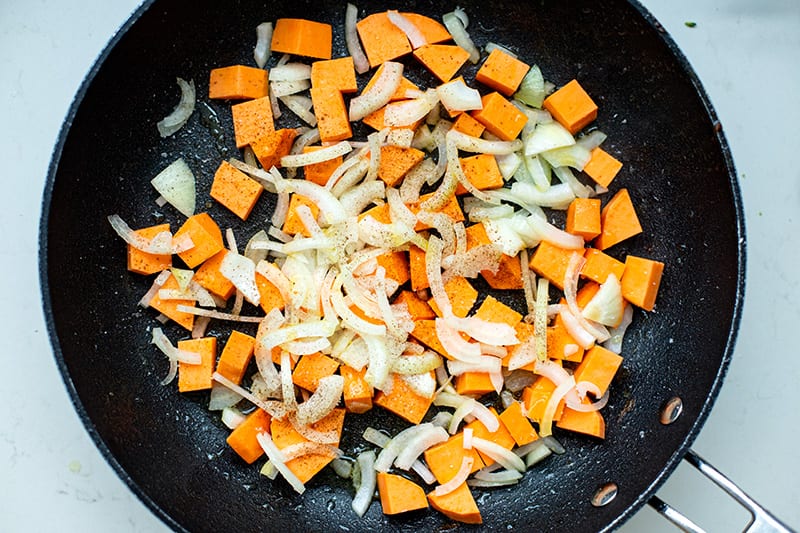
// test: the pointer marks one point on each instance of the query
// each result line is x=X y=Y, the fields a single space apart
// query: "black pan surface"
x=171 y=450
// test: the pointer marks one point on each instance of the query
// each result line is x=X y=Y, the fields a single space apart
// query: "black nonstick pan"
x=171 y=451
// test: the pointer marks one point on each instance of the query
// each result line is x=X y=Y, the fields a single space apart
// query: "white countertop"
x=746 y=54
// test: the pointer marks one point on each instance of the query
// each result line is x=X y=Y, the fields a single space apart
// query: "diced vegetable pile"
x=361 y=287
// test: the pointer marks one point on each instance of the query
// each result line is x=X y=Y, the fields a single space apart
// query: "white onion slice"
x=329 y=206
x=614 y=342
x=506 y=458
x=309 y=433
x=455 y=345
x=407 y=112
x=176 y=183
x=459 y=477
x=547 y=136
x=300 y=449
x=422 y=384
x=300 y=106
x=468 y=143
x=606 y=306
x=261 y=52
x=466 y=408
x=232 y=417
x=504 y=476
x=351 y=38
x=546 y=424
x=380 y=363
x=417 y=364
x=456 y=96
x=217 y=314
x=287 y=88
x=492 y=333
x=486 y=364
x=457 y=29
x=323 y=401
x=241 y=271
x=540 y=317
x=158 y=282
x=432 y=436
x=290 y=72
x=363 y=497
x=163 y=343
x=576 y=262
x=399 y=443
x=275 y=409
x=279 y=461
x=415 y=36
x=379 y=94
x=162 y=243
x=317 y=156
x=180 y=115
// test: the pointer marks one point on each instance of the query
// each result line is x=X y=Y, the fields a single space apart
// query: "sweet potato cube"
x=293 y=223
x=550 y=261
x=416 y=266
x=535 y=397
x=205 y=235
x=382 y=40
x=474 y=384
x=468 y=125
x=599 y=265
x=425 y=332
x=169 y=308
x=432 y=30
x=618 y=221
x=336 y=74
x=451 y=209
x=243 y=439
x=583 y=218
x=445 y=458
x=458 y=505
x=571 y=107
x=331 y=113
x=235 y=190
x=236 y=356
x=399 y=495
x=312 y=368
x=602 y=167
x=493 y=310
x=307 y=466
x=272 y=146
x=271 y=297
x=518 y=424
x=418 y=308
x=462 y=296
x=524 y=332
x=357 y=392
x=500 y=117
x=443 y=60
x=319 y=173
x=403 y=401
x=501 y=436
x=251 y=120
x=238 y=82
x=210 y=278
x=641 y=280
x=502 y=72
x=396 y=161
x=509 y=272
x=560 y=344
x=302 y=38
x=482 y=172
x=589 y=423
x=599 y=367
x=144 y=263
x=197 y=377
x=396 y=266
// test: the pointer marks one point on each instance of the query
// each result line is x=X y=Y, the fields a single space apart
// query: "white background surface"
x=746 y=53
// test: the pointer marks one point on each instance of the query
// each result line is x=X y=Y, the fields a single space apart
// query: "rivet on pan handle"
x=762 y=520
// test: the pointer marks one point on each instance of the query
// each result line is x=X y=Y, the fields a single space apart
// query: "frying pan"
x=171 y=450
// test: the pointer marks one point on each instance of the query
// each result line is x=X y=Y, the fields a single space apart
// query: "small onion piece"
x=275 y=409
x=232 y=417
x=506 y=458
x=363 y=497
x=261 y=52
x=576 y=262
x=323 y=401
x=456 y=96
x=300 y=106
x=342 y=467
x=162 y=243
x=459 y=477
x=457 y=29
x=415 y=36
x=163 y=343
x=379 y=94
x=176 y=183
x=279 y=461
x=290 y=72
x=180 y=115
x=432 y=436
x=351 y=38
x=241 y=271
x=482 y=146
x=317 y=156
x=614 y=342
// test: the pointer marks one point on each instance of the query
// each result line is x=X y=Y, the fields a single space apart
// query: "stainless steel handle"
x=762 y=520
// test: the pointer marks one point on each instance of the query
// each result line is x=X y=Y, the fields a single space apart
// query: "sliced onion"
x=301 y=449
x=456 y=96
x=232 y=417
x=180 y=115
x=287 y=88
x=407 y=112
x=537 y=454
x=579 y=189
x=222 y=397
x=576 y=262
x=376 y=437
x=241 y=271
x=465 y=408
x=352 y=320
x=506 y=458
x=504 y=476
x=492 y=46
x=351 y=38
x=266 y=179
x=158 y=282
x=482 y=146
x=606 y=306
x=290 y=72
x=323 y=401
x=525 y=194
x=493 y=333
x=275 y=409
x=279 y=461
x=330 y=207
x=614 y=342
x=546 y=425
x=457 y=29
x=379 y=94
x=455 y=345
x=592 y=140
x=300 y=106
x=547 y=136
x=422 y=384
x=200 y=326
x=161 y=244
x=487 y=364
x=318 y=328
x=486 y=417
x=458 y=479
x=275 y=275
x=377 y=373
x=417 y=364
x=431 y=436
x=317 y=156
x=402 y=137
x=184 y=356
x=363 y=497
x=261 y=51
x=415 y=36
x=540 y=318
x=586 y=407
x=400 y=441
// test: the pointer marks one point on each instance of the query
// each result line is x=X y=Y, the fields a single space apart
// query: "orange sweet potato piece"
x=306 y=466
x=336 y=74
x=641 y=280
x=560 y=344
x=271 y=297
x=311 y=368
x=238 y=82
x=599 y=265
x=443 y=60
x=169 y=308
x=396 y=266
x=493 y=310
x=357 y=392
x=458 y=505
x=272 y=146
x=599 y=367
x=518 y=425
x=482 y=171
x=403 y=401
x=474 y=384
x=251 y=120
x=550 y=261
x=618 y=221
x=293 y=223
x=589 y=423
x=583 y=218
x=444 y=459
x=144 y=263
x=205 y=235
x=524 y=331
x=501 y=436
x=236 y=356
x=432 y=30
x=602 y=167
x=399 y=495
x=210 y=278
x=331 y=113
x=451 y=209
x=320 y=172
x=500 y=117
x=382 y=40
x=502 y=72
x=466 y=124
x=425 y=332
x=235 y=190
x=535 y=397
x=302 y=38
x=418 y=308
x=243 y=438
x=396 y=161
x=509 y=272
x=571 y=107
x=197 y=377
x=462 y=296
x=416 y=265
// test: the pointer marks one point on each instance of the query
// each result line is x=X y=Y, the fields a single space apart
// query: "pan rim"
x=665 y=471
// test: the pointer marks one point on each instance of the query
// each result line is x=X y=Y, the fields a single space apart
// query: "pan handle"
x=762 y=521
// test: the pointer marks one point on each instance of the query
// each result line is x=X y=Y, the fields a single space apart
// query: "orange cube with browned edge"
x=357 y=392
x=293 y=223
x=382 y=40
x=602 y=167
x=458 y=505
x=319 y=173
x=205 y=235
x=501 y=436
x=271 y=297
x=403 y=401
x=501 y=117
x=560 y=344
x=509 y=271
x=468 y=125
x=518 y=424
x=417 y=308
x=583 y=218
x=535 y=397
x=442 y=60
x=599 y=265
x=144 y=263
x=571 y=107
x=336 y=74
x=618 y=221
x=641 y=280
x=197 y=377
x=312 y=368
x=307 y=466
x=550 y=261
x=399 y=495
x=331 y=113
x=462 y=296
x=169 y=308
x=235 y=190
x=474 y=384
x=302 y=37
x=272 y=146
x=238 y=82
x=444 y=459
x=502 y=72
x=236 y=356
x=589 y=423
x=400 y=93
x=396 y=161
x=243 y=439
x=599 y=366
x=482 y=172
x=251 y=120
x=210 y=278
x=396 y=266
